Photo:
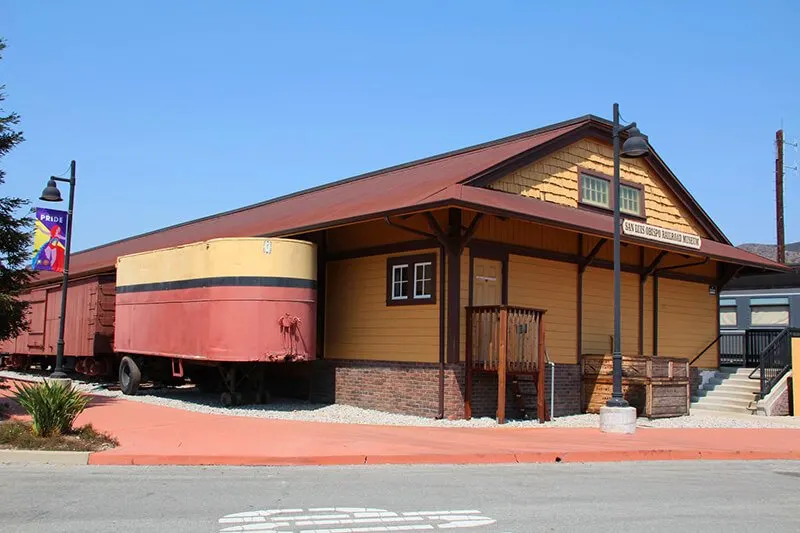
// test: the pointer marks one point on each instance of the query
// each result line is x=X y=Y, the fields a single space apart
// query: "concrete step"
x=737 y=387
x=738 y=378
x=718 y=407
x=733 y=402
x=723 y=393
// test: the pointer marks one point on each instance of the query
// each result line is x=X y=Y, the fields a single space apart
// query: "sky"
x=182 y=109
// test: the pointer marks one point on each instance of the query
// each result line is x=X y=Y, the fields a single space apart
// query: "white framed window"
x=595 y=191
x=769 y=312
x=630 y=200
x=400 y=282
x=423 y=280
x=411 y=279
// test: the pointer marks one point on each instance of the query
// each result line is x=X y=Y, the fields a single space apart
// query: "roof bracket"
x=586 y=261
x=467 y=235
x=725 y=278
x=651 y=268
x=410 y=230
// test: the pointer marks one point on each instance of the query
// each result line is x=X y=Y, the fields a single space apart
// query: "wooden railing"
x=500 y=333
x=505 y=339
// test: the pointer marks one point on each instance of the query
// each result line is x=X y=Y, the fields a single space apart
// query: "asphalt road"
x=679 y=496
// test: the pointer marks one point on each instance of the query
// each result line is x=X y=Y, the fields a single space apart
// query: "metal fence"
x=744 y=348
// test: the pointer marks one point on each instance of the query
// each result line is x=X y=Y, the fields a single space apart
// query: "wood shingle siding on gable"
x=550 y=285
x=554 y=178
x=359 y=324
x=687 y=321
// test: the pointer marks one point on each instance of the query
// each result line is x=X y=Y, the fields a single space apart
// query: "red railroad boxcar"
x=88 y=333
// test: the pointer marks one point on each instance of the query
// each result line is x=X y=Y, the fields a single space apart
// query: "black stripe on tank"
x=222 y=281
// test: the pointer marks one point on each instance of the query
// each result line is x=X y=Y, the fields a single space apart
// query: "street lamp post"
x=634 y=146
x=52 y=194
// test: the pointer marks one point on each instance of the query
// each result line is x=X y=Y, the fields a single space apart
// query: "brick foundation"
x=405 y=388
x=413 y=388
x=567 y=393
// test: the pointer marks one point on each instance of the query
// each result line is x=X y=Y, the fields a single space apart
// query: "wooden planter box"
x=657 y=387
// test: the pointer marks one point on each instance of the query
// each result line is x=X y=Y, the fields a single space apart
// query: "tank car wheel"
x=129 y=376
x=228 y=399
x=263 y=396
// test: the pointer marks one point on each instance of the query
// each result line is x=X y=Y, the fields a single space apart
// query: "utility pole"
x=779 y=196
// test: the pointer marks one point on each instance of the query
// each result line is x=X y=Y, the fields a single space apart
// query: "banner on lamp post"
x=49 y=240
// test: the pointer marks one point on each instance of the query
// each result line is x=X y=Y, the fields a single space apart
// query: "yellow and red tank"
x=222 y=300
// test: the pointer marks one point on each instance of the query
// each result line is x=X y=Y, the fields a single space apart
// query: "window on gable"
x=411 y=280
x=596 y=191
x=630 y=200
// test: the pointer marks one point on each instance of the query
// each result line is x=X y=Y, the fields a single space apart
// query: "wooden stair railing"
x=507 y=340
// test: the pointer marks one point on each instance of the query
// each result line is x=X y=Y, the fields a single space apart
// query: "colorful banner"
x=49 y=240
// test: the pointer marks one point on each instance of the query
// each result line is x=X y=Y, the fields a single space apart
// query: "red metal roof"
x=591 y=222
x=426 y=183
x=393 y=189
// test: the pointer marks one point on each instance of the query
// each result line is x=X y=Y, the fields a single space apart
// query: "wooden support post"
x=468 y=369
x=502 y=366
x=540 y=373
x=453 y=286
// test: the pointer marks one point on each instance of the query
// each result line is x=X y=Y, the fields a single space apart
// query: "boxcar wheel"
x=129 y=376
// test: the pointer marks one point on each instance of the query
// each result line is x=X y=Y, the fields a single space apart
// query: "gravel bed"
x=189 y=399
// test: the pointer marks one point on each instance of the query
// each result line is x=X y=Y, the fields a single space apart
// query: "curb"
x=44 y=457
x=106 y=458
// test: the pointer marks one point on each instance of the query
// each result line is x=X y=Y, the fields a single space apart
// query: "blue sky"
x=176 y=110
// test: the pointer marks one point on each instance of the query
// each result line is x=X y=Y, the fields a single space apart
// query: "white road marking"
x=350 y=520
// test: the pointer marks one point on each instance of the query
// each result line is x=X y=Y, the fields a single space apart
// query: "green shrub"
x=53 y=406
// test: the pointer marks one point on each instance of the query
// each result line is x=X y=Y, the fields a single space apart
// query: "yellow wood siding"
x=521 y=233
x=598 y=311
x=555 y=179
x=687 y=321
x=552 y=286
x=359 y=324
x=648 y=317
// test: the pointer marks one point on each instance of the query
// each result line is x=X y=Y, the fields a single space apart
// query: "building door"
x=487 y=282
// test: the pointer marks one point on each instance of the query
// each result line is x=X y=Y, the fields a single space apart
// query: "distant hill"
x=770 y=251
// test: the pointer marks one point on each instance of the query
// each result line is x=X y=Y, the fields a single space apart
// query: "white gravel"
x=189 y=399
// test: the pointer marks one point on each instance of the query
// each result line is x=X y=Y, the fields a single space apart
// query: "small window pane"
x=594 y=191
x=630 y=200
x=727 y=316
x=400 y=282
x=769 y=315
x=423 y=286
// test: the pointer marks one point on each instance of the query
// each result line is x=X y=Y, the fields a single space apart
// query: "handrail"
x=769 y=363
x=764 y=351
x=705 y=349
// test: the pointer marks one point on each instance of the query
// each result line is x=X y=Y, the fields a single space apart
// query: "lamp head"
x=51 y=192
x=635 y=145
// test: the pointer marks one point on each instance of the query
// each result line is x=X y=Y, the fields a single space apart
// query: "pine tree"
x=16 y=226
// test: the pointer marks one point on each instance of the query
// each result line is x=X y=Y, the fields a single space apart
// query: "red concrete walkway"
x=150 y=434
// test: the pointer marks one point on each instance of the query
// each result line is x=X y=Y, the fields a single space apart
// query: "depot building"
x=414 y=264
